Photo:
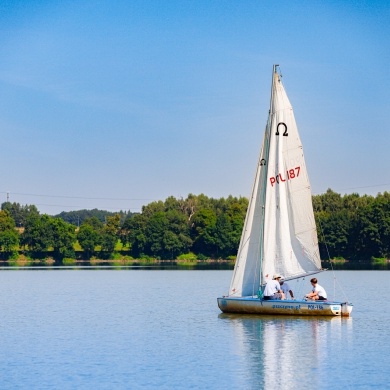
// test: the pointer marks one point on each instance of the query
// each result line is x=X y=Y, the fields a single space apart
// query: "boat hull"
x=254 y=305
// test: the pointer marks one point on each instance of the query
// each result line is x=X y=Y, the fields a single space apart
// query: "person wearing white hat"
x=272 y=289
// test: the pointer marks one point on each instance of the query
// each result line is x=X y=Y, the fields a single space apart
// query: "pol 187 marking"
x=290 y=174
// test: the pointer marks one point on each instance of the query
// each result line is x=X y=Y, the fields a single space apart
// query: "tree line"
x=351 y=227
x=201 y=226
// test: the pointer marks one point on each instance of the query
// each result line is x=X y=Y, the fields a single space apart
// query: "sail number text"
x=290 y=174
x=315 y=307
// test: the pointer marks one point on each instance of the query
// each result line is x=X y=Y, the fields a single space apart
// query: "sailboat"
x=279 y=234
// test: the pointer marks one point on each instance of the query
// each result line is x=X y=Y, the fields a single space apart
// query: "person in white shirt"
x=318 y=293
x=272 y=289
x=286 y=288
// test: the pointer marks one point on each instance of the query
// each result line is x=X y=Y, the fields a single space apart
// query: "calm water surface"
x=149 y=329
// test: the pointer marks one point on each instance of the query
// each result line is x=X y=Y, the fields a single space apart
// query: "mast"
x=265 y=176
x=271 y=106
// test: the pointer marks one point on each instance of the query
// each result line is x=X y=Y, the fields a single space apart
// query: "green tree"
x=236 y=212
x=9 y=240
x=203 y=232
x=331 y=201
x=153 y=208
x=110 y=233
x=18 y=212
x=78 y=217
x=88 y=239
x=222 y=236
x=156 y=226
x=37 y=235
x=95 y=222
x=176 y=239
x=6 y=221
x=333 y=233
x=384 y=222
x=63 y=236
x=9 y=237
x=133 y=232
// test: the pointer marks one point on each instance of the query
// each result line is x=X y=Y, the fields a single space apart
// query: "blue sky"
x=116 y=104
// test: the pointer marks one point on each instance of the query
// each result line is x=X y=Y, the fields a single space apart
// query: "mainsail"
x=279 y=234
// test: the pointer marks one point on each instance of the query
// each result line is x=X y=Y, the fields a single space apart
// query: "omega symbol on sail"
x=285 y=129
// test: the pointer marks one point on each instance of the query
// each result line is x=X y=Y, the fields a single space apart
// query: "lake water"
x=149 y=329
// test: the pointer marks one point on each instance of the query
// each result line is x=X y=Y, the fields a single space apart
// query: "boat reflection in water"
x=289 y=352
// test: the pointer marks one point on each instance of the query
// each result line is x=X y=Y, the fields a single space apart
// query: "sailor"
x=318 y=293
x=286 y=288
x=272 y=289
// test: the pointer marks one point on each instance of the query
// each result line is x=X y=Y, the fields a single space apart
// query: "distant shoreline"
x=209 y=264
x=133 y=263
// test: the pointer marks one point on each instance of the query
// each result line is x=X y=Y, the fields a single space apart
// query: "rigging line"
x=298 y=291
x=353 y=188
x=72 y=197
x=375 y=185
x=331 y=266
x=67 y=206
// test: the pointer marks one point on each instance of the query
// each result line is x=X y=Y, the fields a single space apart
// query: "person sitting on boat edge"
x=285 y=287
x=272 y=289
x=318 y=293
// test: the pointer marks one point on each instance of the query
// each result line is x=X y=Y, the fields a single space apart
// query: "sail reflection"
x=287 y=352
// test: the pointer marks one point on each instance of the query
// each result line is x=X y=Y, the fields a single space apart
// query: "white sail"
x=279 y=234
x=246 y=276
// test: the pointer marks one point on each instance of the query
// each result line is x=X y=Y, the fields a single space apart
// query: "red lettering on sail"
x=290 y=174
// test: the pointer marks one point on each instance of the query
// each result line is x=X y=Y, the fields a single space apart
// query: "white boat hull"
x=254 y=305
